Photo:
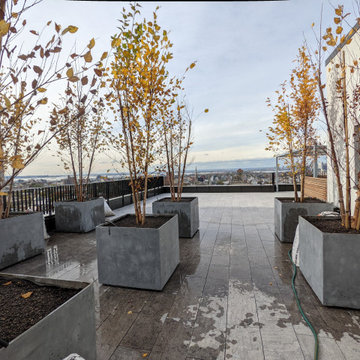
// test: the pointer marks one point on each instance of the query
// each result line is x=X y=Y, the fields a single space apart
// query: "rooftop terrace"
x=230 y=297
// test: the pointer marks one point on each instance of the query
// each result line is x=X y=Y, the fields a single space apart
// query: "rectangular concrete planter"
x=68 y=329
x=80 y=217
x=330 y=264
x=21 y=237
x=187 y=211
x=143 y=258
x=286 y=216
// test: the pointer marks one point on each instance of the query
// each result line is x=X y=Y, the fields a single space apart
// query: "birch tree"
x=26 y=73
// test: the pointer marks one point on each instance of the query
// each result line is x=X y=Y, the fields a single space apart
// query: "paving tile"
x=112 y=331
x=243 y=340
x=209 y=336
x=123 y=353
x=328 y=349
x=143 y=333
x=173 y=341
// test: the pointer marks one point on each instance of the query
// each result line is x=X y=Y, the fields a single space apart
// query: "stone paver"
x=230 y=297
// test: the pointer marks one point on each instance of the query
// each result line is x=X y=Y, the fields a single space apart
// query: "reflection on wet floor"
x=230 y=297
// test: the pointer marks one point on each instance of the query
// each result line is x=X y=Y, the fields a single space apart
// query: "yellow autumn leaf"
x=104 y=56
x=206 y=110
x=17 y=163
x=73 y=78
x=26 y=295
x=91 y=43
x=349 y=41
x=129 y=312
x=44 y=101
x=3 y=193
x=312 y=25
x=41 y=90
x=71 y=28
x=4 y=28
x=88 y=57
x=70 y=73
x=7 y=283
x=192 y=65
x=144 y=355
x=7 y=102
x=339 y=30
x=338 y=11
x=337 y=20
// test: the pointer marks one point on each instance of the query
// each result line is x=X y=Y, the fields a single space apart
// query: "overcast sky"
x=244 y=50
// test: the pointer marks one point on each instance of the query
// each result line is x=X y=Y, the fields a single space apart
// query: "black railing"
x=43 y=199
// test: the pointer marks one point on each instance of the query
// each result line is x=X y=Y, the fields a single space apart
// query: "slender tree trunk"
x=293 y=172
x=357 y=205
x=2 y=170
x=347 y=157
x=8 y=205
x=185 y=157
x=146 y=171
x=303 y=166
x=128 y=155
x=179 y=187
x=334 y=159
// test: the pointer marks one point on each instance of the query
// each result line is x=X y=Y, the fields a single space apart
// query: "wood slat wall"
x=316 y=188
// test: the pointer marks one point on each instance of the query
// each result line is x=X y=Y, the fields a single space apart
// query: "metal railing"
x=43 y=199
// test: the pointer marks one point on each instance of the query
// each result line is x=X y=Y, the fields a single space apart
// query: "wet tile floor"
x=230 y=297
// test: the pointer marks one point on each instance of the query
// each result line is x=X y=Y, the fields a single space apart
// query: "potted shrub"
x=138 y=250
x=330 y=247
x=79 y=143
x=176 y=141
x=293 y=133
x=46 y=319
x=26 y=74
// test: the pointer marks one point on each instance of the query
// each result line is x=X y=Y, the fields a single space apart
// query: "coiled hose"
x=316 y=347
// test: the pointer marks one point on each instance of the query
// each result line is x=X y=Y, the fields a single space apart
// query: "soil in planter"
x=331 y=226
x=153 y=222
x=184 y=199
x=20 y=313
x=306 y=200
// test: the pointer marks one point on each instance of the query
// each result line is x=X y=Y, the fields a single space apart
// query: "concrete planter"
x=21 y=237
x=187 y=211
x=330 y=264
x=80 y=217
x=143 y=258
x=68 y=329
x=286 y=216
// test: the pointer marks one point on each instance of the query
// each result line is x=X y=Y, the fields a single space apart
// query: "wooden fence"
x=316 y=188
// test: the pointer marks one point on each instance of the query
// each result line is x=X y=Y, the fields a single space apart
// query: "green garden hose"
x=316 y=348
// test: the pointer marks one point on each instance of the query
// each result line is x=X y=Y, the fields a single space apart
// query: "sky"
x=244 y=50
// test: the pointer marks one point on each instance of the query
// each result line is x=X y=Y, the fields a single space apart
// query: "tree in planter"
x=282 y=135
x=305 y=109
x=177 y=140
x=339 y=135
x=82 y=137
x=293 y=130
x=138 y=81
x=24 y=79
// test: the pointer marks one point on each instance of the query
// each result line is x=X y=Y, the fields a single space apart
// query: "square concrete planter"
x=187 y=211
x=68 y=329
x=286 y=215
x=135 y=257
x=80 y=217
x=21 y=237
x=330 y=264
